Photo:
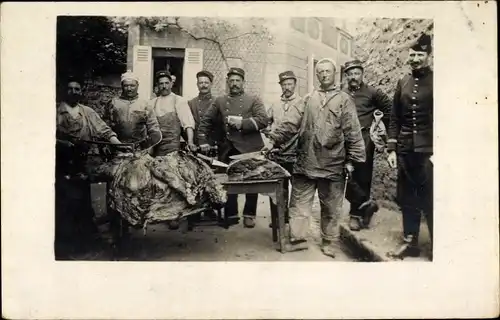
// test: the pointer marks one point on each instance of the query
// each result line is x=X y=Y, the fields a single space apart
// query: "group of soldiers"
x=323 y=139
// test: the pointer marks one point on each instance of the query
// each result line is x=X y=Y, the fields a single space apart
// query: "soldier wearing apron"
x=243 y=116
x=410 y=146
x=174 y=115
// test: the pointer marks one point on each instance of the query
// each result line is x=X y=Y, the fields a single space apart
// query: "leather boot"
x=296 y=245
x=329 y=248
x=408 y=248
x=355 y=223
x=368 y=208
x=249 y=222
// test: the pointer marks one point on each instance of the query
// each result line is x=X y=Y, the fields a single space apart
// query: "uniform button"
x=415 y=85
x=416 y=79
x=414 y=124
x=413 y=98
x=414 y=131
x=414 y=118
x=414 y=112
x=414 y=91
x=414 y=105
x=227 y=103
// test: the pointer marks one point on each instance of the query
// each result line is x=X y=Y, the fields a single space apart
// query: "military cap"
x=161 y=74
x=205 y=73
x=423 y=43
x=237 y=71
x=287 y=75
x=353 y=64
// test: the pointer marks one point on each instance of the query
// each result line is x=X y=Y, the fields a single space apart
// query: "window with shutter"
x=313 y=28
x=142 y=67
x=329 y=34
x=193 y=63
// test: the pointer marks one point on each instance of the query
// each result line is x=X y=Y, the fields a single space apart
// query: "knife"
x=212 y=161
x=248 y=155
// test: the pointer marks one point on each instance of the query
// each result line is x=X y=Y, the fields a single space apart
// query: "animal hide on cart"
x=256 y=168
x=146 y=189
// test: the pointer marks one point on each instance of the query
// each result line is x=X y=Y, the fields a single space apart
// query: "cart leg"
x=274 y=222
x=280 y=203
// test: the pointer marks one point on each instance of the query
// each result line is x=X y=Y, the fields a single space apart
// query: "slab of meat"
x=255 y=169
x=145 y=189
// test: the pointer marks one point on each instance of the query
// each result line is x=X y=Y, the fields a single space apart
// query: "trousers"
x=274 y=208
x=74 y=225
x=415 y=191
x=330 y=195
x=359 y=186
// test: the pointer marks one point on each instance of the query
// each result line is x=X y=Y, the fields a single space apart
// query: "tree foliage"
x=89 y=46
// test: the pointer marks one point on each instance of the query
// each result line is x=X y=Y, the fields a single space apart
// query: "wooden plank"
x=251 y=188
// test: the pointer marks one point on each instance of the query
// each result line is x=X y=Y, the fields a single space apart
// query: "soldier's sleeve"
x=290 y=125
x=383 y=103
x=394 y=122
x=207 y=122
x=258 y=120
x=99 y=128
x=152 y=125
x=355 y=145
x=184 y=113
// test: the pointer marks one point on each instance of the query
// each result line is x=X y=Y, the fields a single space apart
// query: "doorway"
x=171 y=60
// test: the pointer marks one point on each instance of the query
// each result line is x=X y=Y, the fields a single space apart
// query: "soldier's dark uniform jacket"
x=199 y=105
x=410 y=127
x=410 y=135
x=248 y=138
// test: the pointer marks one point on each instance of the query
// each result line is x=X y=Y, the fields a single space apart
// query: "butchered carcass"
x=255 y=168
x=146 y=189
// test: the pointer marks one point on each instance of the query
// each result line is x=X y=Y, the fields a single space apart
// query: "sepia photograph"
x=310 y=160
x=244 y=139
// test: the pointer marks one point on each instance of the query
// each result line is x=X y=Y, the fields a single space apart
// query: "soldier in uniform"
x=367 y=99
x=410 y=146
x=200 y=104
x=285 y=107
x=243 y=117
